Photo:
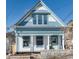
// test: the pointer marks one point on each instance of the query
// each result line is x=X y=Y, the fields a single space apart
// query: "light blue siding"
x=39 y=29
x=41 y=32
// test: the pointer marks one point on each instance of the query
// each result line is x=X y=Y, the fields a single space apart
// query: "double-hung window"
x=26 y=41
x=54 y=40
x=34 y=19
x=45 y=19
x=40 y=19
x=39 y=40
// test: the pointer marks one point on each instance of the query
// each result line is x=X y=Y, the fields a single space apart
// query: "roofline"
x=70 y=21
x=54 y=14
x=37 y=27
x=29 y=12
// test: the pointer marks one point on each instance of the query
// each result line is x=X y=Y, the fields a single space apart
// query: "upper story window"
x=40 y=19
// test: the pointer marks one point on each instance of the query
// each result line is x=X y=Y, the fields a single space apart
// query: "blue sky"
x=17 y=8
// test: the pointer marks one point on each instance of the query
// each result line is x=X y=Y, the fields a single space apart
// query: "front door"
x=53 y=42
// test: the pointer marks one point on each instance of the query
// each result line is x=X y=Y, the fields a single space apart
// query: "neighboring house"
x=39 y=29
x=10 y=42
x=69 y=35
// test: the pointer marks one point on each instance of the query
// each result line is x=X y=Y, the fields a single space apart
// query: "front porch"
x=39 y=42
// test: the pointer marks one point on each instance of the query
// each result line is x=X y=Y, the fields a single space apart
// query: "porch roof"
x=40 y=32
x=40 y=29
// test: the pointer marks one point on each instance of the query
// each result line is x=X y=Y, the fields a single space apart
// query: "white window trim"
x=36 y=19
x=40 y=45
x=29 y=43
x=42 y=19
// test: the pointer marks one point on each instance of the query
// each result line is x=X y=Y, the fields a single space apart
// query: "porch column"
x=59 y=42
x=31 y=43
x=16 y=39
x=63 y=41
x=60 y=38
x=48 y=42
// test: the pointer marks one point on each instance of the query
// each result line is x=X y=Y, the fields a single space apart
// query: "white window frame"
x=29 y=42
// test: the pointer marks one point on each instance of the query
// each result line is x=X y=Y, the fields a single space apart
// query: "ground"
x=68 y=54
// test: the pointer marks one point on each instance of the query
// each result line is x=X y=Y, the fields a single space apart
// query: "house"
x=39 y=29
x=69 y=35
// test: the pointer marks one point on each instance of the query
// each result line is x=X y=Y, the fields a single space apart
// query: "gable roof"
x=31 y=10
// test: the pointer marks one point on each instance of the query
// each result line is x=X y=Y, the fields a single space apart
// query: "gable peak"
x=40 y=0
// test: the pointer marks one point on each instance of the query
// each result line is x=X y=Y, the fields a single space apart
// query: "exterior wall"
x=34 y=48
x=28 y=49
x=41 y=8
x=20 y=45
x=40 y=48
x=53 y=21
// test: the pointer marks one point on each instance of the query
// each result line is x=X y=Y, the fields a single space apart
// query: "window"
x=34 y=19
x=54 y=40
x=45 y=19
x=40 y=18
x=26 y=41
x=61 y=39
x=39 y=40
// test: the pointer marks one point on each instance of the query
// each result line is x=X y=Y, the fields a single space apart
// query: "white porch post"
x=59 y=42
x=31 y=43
x=48 y=43
x=16 y=39
x=63 y=41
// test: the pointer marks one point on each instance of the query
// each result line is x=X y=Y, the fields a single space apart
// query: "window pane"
x=39 y=19
x=54 y=40
x=26 y=41
x=45 y=19
x=34 y=19
x=39 y=40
